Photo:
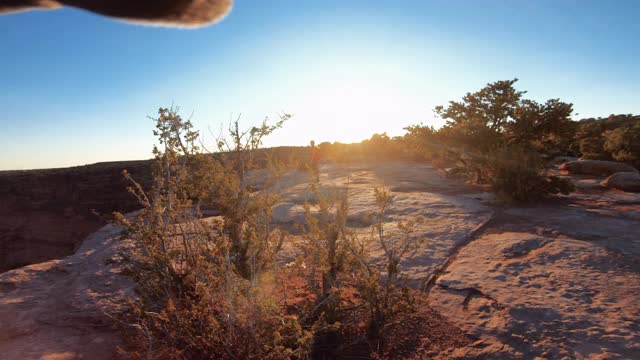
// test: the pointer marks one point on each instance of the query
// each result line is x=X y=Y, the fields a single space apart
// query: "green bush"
x=209 y=288
x=357 y=296
x=245 y=199
x=498 y=114
x=592 y=148
x=496 y=136
x=624 y=143
x=202 y=294
x=382 y=285
x=516 y=174
x=616 y=137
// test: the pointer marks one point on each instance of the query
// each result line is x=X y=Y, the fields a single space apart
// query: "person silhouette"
x=315 y=157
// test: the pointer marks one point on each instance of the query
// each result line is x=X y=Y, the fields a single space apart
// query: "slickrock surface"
x=450 y=209
x=56 y=310
x=553 y=281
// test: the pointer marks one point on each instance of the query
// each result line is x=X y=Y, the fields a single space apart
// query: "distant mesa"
x=174 y=13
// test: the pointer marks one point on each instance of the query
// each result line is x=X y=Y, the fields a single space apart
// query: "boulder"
x=625 y=181
x=596 y=167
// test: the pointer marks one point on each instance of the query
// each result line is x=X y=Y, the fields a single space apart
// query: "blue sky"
x=76 y=88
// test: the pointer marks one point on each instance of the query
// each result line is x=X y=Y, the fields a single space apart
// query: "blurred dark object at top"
x=177 y=13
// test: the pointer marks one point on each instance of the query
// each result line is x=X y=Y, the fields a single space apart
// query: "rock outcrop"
x=596 y=167
x=45 y=214
x=561 y=298
x=60 y=309
x=550 y=282
x=625 y=181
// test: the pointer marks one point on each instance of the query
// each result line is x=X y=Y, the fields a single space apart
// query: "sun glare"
x=351 y=109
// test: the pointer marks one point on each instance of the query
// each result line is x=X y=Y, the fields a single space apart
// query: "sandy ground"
x=559 y=280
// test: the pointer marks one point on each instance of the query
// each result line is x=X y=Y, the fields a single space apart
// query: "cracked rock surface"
x=534 y=292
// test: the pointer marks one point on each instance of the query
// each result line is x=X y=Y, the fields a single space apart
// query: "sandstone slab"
x=625 y=181
x=596 y=167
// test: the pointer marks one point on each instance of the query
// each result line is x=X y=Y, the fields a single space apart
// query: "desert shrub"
x=246 y=199
x=590 y=141
x=381 y=284
x=377 y=147
x=324 y=246
x=421 y=142
x=357 y=296
x=496 y=136
x=545 y=127
x=517 y=174
x=592 y=148
x=624 y=143
x=497 y=115
x=339 y=152
x=383 y=147
x=193 y=299
x=612 y=138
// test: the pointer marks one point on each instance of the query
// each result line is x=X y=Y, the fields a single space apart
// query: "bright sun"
x=350 y=110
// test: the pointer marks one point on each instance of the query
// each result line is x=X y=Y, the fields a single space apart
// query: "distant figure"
x=315 y=159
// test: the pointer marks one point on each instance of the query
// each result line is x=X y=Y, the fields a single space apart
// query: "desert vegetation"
x=212 y=288
x=216 y=287
x=495 y=136
x=219 y=271
x=613 y=138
